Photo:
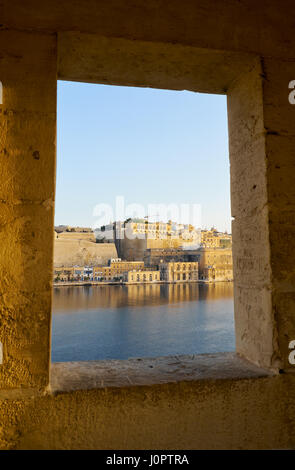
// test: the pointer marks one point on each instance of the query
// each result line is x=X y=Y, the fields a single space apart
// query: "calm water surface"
x=118 y=322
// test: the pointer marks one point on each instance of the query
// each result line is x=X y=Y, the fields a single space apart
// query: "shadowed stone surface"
x=69 y=376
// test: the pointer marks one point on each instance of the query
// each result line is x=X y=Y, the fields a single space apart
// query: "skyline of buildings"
x=157 y=252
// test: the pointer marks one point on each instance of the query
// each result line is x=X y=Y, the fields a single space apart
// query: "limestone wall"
x=76 y=236
x=131 y=250
x=220 y=412
x=134 y=249
x=82 y=252
x=245 y=49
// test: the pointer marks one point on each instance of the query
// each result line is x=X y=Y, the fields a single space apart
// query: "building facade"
x=179 y=271
x=216 y=264
x=214 y=239
x=133 y=277
x=74 y=273
x=119 y=267
x=157 y=256
x=134 y=236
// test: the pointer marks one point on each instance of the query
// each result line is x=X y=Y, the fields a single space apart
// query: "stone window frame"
x=261 y=332
x=239 y=76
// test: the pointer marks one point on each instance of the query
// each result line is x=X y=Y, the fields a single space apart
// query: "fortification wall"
x=134 y=249
x=82 y=252
x=76 y=236
x=131 y=250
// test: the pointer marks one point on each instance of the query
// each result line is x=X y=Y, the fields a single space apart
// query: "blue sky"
x=150 y=146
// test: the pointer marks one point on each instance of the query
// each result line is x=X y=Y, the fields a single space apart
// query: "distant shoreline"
x=114 y=283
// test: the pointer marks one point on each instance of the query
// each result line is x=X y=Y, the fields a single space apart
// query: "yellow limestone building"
x=136 y=236
x=147 y=276
x=215 y=264
x=179 y=272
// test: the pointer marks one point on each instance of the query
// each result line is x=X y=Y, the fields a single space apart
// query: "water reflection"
x=104 y=322
x=73 y=299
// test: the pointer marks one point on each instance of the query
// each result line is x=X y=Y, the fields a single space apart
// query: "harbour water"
x=119 y=322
